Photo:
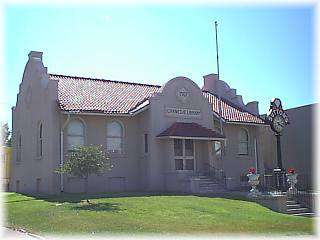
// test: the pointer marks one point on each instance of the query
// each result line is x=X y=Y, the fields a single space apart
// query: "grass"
x=136 y=213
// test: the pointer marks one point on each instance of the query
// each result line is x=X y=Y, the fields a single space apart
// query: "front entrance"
x=184 y=153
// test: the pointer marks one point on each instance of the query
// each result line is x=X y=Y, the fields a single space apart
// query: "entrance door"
x=184 y=155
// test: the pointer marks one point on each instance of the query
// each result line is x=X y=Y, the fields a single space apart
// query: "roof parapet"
x=34 y=55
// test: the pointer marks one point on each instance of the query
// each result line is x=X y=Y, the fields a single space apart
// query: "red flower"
x=291 y=170
x=252 y=170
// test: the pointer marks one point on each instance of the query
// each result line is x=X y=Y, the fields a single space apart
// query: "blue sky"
x=265 y=52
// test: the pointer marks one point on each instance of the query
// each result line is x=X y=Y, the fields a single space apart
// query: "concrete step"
x=297 y=210
x=292 y=206
x=207 y=181
x=211 y=188
x=208 y=184
x=291 y=202
x=306 y=214
x=213 y=191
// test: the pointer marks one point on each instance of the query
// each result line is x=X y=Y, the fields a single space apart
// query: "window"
x=183 y=154
x=216 y=125
x=146 y=147
x=114 y=137
x=39 y=141
x=217 y=148
x=19 y=147
x=75 y=134
x=243 y=142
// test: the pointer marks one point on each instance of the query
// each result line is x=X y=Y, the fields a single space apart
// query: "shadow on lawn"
x=97 y=207
x=78 y=197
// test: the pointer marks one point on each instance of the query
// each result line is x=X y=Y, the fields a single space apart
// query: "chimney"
x=210 y=83
x=35 y=56
x=253 y=107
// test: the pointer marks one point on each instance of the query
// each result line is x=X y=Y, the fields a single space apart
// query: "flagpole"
x=218 y=77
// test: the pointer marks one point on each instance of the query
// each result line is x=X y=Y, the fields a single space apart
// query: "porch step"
x=297 y=210
x=307 y=214
x=293 y=206
x=208 y=185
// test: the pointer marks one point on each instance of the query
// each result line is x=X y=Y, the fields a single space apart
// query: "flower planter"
x=253 y=182
x=292 y=181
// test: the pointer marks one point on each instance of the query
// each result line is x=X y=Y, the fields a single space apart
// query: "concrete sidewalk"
x=7 y=233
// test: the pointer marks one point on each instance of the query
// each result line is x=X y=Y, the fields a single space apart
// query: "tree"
x=5 y=135
x=83 y=161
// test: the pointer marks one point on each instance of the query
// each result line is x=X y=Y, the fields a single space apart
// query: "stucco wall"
x=134 y=170
x=126 y=173
x=36 y=102
x=236 y=165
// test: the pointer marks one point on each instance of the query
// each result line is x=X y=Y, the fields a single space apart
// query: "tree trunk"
x=86 y=188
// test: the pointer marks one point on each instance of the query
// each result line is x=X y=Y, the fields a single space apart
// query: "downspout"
x=256 y=154
x=62 y=151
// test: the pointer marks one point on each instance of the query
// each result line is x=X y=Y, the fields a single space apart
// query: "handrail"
x=217 y=174
x=307 y=199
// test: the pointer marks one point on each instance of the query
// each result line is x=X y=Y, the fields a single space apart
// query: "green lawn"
x=147 y=214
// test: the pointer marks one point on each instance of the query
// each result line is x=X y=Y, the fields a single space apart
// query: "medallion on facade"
x=183 y=95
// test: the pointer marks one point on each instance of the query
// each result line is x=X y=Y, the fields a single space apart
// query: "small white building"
x=160 y=138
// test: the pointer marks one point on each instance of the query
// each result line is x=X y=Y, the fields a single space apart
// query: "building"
x=296 y=145
x=158 y=137
x=6 y=159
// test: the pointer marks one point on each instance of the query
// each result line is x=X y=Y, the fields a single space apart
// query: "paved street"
x=7 y=233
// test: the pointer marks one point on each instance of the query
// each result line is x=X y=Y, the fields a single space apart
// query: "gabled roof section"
x=231 y=112
x=80 y=94
x=100 y=95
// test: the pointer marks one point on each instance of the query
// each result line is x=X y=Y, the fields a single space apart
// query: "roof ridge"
x=104 y=80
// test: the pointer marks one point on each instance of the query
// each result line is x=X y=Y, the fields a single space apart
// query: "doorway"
x=184 y=153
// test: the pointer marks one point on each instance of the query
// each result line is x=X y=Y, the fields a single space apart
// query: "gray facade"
x=296 y=145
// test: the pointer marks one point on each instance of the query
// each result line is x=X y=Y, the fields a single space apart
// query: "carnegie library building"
x=159 y=138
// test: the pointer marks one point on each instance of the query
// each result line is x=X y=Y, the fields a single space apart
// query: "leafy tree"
x=5 y=135
x=83 y=161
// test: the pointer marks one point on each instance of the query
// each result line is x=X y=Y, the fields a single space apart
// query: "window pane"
x=114 y=129
x=75 y=128
x=243 y=148
x=75 y=141
x=189 y=147
x=217 y=148
x=178 y=147
x=178 y=164
x=189 y=164
x=114 y=145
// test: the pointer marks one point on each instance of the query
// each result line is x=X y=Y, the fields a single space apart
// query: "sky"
x=265 y=52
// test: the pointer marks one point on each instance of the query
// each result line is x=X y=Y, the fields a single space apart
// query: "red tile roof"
x=108 y=96
x=191 y=130
x=99 y=95
x=231 y=112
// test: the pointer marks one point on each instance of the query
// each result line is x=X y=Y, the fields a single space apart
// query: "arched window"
x=75 y=134
x=243 y=142
x=114 y=137
x=40 y=140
